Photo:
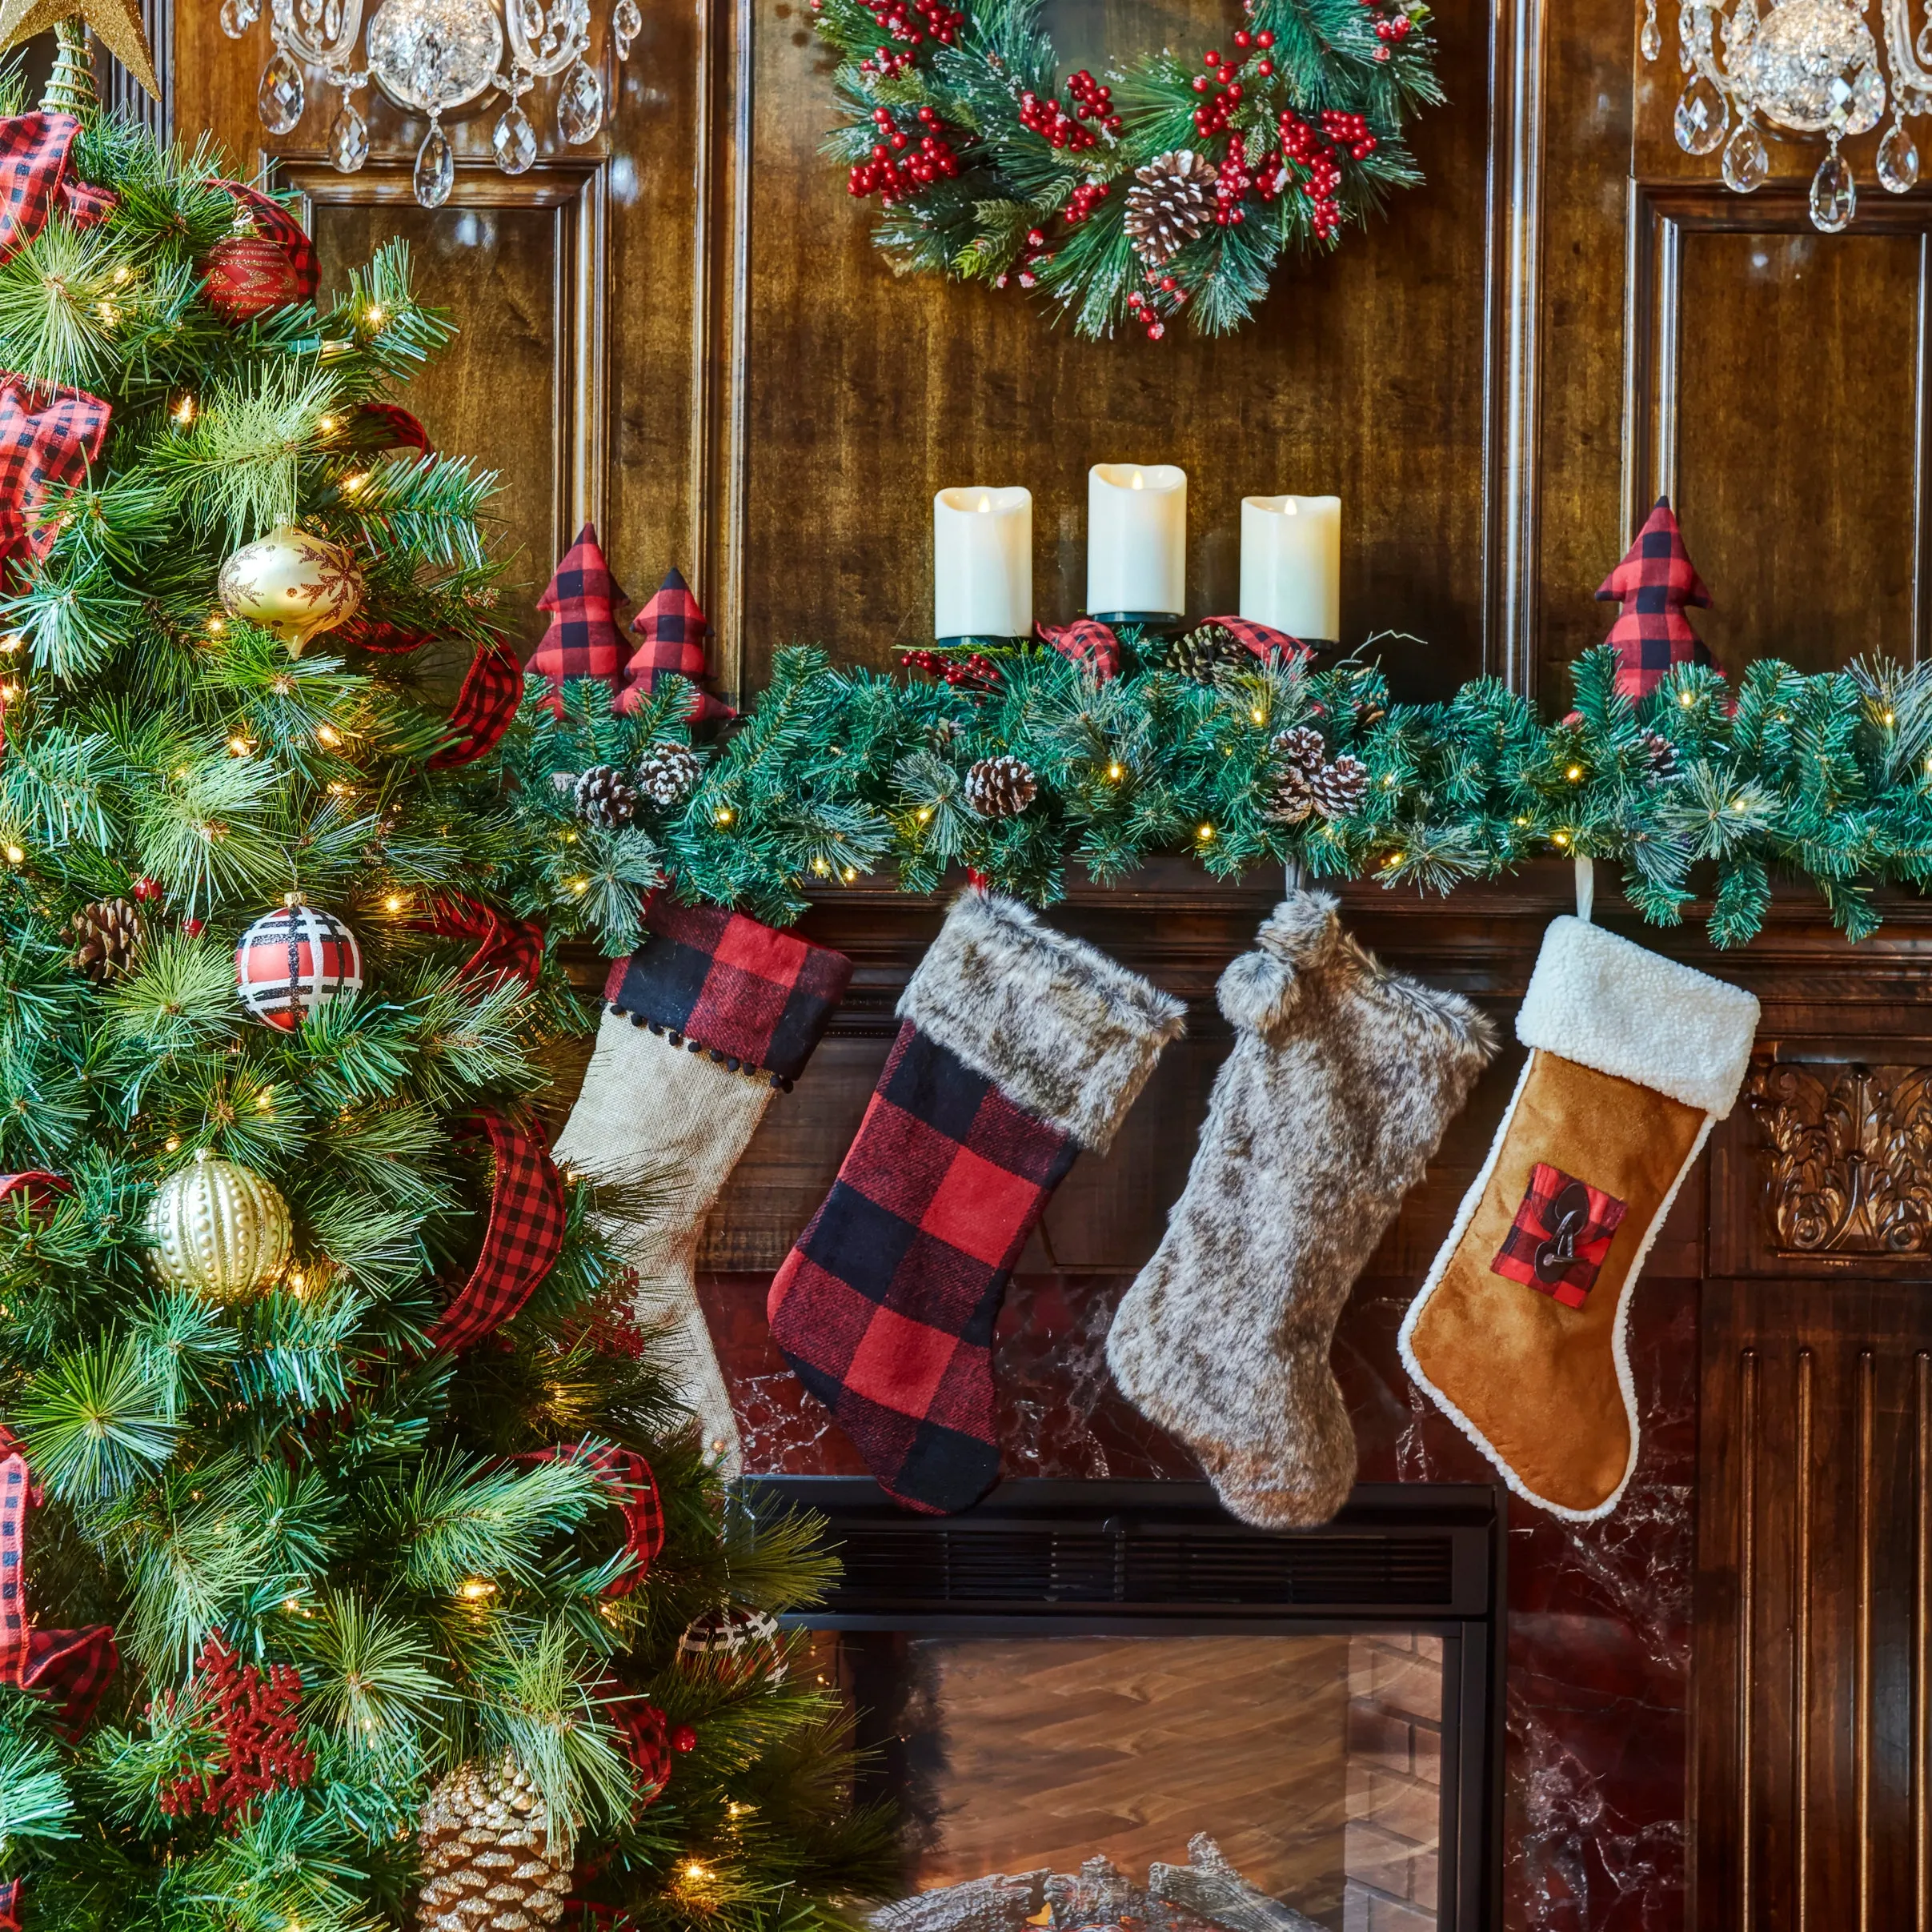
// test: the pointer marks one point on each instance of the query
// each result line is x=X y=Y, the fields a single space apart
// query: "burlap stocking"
x=1341 y=1082
x=1518 y=1332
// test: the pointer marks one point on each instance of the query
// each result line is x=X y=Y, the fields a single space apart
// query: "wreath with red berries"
x=1170 y=190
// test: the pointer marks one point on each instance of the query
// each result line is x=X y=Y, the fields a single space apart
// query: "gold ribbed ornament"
x=218 y=1227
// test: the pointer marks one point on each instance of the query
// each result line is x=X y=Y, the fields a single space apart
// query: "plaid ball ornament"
x=292 y=960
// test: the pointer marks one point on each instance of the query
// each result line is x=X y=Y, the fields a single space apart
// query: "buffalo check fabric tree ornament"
x=672 y=629
x=709 y=1017
x=1019 y=1047
x=1519 y=1333
x=583 y=640
x=1654 y=584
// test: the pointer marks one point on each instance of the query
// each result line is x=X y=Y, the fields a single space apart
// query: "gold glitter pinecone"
x=107 y=935
x=486 y=1860
x=1168 y=205
x=999 y=786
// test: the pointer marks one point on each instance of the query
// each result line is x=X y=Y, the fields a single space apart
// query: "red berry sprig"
x=1091 y=101
x=1083 y=200
x=915 y=21
x=894 y=178
x=1046 y=118
x=1220 y=79
x=1351 y=131
x=1313 y=152
x=976 y=670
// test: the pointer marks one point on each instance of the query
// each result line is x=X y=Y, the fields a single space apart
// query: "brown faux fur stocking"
x=1341 y=1082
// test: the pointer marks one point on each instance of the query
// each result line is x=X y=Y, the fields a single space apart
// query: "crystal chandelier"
x=1804 y=67
x=430 y=57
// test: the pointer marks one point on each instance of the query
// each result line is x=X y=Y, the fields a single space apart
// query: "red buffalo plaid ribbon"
x=506 y=949
x=1263 y=641
x=1654 y=583
x=583 y=640
x=1562 y=1233
x=34 y=154
x=645 y=1736
x=1088 y=643
x=48 y=438
x=69 y=1668
x=524 y=1238
x=484 y=706
x=9 y=1906
x=673 y=630
x=634 y=1489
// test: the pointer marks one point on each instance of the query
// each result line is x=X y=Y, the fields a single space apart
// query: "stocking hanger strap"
x=1586 y=888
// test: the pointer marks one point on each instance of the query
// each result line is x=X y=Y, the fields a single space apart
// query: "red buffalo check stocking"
x=707 y=1019
x=1019 y=1048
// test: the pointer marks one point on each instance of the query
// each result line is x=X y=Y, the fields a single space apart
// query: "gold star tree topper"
x=117 y=22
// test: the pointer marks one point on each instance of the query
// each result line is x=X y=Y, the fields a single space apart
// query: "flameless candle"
x=1291 y=564
x=1136 y=539
x=982 y=563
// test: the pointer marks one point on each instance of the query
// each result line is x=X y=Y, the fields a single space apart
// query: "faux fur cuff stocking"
x=1342 y=1080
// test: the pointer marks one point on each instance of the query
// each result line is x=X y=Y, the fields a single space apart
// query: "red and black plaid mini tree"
x=672 y=629
x=583 y=639
x=1654 y=583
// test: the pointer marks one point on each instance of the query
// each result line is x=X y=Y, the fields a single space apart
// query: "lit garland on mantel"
x=837 y=772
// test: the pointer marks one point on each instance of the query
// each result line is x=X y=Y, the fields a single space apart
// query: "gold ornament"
x=217 y=1227
x=488 y=1862
x=293 y=583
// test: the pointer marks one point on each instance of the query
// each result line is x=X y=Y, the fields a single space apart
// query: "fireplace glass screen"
x=1313 y=1762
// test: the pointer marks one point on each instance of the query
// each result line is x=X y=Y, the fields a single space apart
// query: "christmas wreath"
x=1173 y=188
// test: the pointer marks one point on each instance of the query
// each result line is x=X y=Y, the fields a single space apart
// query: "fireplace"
x=1130 y=1710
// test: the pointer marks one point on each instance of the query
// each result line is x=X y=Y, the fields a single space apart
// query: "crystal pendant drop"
x=1651 y=40
x=239 y=16
x=1835 y=195
x=281 y=98
x=435 y=173
x=1700 y=116
x=514 y=140
x=579 y=105
x=348 y=138
x=627 y=23
x=1897 y=161
x=1746 y=161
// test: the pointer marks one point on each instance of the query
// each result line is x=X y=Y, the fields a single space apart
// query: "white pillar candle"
x=1291 y=564
x=1136 y=539
x=982 y=563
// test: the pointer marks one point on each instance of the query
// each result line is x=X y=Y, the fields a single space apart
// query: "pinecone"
x=485 y=1838
x=1201 y=651
x=1337 y=789
x=1300 y=747
x=107 y=935
x=1294 y=798
x=1661 y=753
x=998 y=787
x=668 y=774
x=605 y=797
x=1168 y=204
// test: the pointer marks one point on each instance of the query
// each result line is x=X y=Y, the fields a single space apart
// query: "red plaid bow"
x=583 y=640
x=673 y=630
x=47 y=439
x=1263 y=641
x=1088 y=643
x=507 y=948
x=1654 y=583
x=70 y=1668
x=34 y=151
x=635 y=1488
x=522 y=1242
x=486 y=704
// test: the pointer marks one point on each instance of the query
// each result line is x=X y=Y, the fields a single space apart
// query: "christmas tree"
x=356 y=1568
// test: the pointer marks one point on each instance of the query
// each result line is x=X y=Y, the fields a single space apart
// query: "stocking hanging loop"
x=1586 y=888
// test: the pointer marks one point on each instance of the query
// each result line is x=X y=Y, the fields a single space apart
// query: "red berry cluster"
x=1152 y=309
x=893 y=179
x=885 y=62
x=1351 y=131
x=1391 y=30
x=254 y=1719
x=976 y=670
x=1220 y=78
x=1083 y=200
x=1091 y=101
x=1313 y=152
x=1053 y=124
x=913 y=20
x=1231 y=183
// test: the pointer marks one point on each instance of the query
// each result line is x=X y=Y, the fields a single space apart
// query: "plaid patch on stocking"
x=47 y=439
x=673 y=630
x=885 y=1308
x=1654 y=583
x=522 y=1242
x=1562 y=1233
x=583 y=640
x=754 y=998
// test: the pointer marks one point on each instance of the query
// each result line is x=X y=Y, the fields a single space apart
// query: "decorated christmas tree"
x=357 y=1569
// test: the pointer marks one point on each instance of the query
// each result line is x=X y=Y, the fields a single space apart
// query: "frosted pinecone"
x=1300 y=747
x=1294 y=798
x=1170 y=203
x=487 y=1858
x=668 y=774
x=606 y=798
x=999 y=786
x=1338 y=787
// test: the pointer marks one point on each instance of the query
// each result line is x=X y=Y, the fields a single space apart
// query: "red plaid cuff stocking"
x=1020 y=1047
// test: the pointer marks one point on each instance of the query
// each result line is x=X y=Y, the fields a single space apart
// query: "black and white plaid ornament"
x=292 y=960
x=732 y=1641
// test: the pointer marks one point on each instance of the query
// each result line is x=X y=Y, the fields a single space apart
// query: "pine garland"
x=839 y=773
x=954 y=120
